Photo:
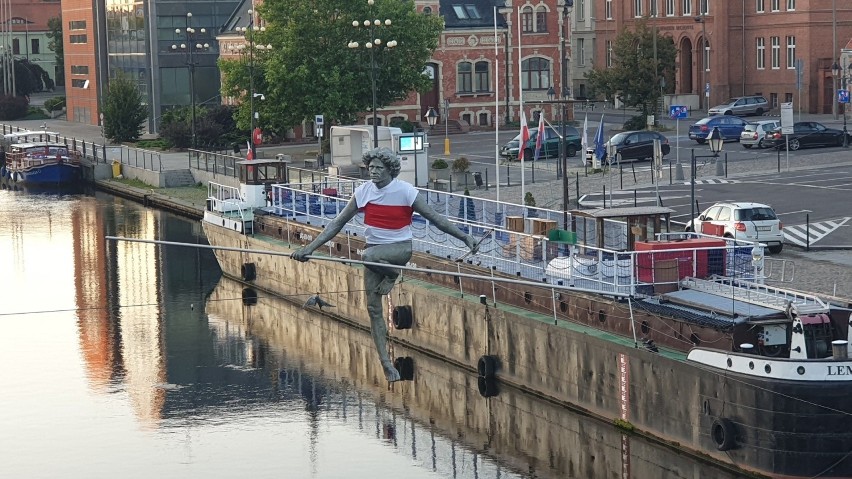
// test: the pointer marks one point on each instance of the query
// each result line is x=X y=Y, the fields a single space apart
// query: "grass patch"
x=624 y=425
x=134 y=183
x=35 y=114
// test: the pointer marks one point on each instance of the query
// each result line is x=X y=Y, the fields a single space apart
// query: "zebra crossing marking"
x=713 y=181
x=802 y=235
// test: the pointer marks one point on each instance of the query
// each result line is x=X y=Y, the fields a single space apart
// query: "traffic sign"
x=787 y=118
x=319 y=120
x=678 y=112
x=707 y=89
x=843 y=96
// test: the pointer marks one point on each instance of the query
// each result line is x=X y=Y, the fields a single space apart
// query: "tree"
x=634 y=75
x=54 y=34
x=310 y=69
x=123 y=110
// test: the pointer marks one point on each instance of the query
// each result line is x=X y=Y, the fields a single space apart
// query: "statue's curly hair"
x=387 y=156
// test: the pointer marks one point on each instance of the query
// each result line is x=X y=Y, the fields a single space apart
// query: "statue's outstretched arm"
x=442 y=223
x=329 y=232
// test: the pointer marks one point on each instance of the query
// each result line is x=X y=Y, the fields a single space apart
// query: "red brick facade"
x=81 y=66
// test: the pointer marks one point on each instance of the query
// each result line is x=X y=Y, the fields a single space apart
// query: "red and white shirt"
x=387 y=211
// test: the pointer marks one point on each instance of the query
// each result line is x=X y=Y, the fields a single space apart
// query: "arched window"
x=535 y=74
x=481 y=76
x=464 y=78
x=527 y=20
x=541 y=19
x=427 y=10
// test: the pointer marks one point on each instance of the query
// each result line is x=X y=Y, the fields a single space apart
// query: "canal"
x=133 y=360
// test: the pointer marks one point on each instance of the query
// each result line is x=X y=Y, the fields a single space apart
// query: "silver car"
x=742 y=106
x=754 y=134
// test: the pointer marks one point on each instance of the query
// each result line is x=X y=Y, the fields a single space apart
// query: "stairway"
x=454 y=127
x=175 y=178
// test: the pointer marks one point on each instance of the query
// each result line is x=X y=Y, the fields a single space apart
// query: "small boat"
x=42 y=162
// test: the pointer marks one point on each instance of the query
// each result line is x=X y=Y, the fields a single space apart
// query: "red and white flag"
x=539 y=135
x=525 y=136
x=249 y=155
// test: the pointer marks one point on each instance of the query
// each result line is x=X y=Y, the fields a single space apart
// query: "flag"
x=540 y=135
x=249 y=155
x=600 y=146
x=525 y=136
x=584 y=141
x=257 y=136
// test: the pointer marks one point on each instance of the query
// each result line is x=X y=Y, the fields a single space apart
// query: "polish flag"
x=540 y=135
x=249 y=155
x=525 y=136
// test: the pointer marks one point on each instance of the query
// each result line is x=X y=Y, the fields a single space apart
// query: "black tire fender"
x=487 y=366
x=487 y=387
x=723 y=433
x=248 y=271
x=402 y=317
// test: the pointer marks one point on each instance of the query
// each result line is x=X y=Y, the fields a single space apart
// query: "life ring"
x=487 y=366
x=487 y=387
x=402 y=317
x=723 y=434
x=249 y=297
x=248 y=272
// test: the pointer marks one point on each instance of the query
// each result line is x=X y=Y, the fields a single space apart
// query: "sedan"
x=754 y=134
x=805 y=133
x=729 y=126
x=549 y=147
x=638 y=145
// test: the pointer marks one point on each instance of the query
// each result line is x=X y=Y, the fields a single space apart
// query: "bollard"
x=840 y=349
x=578 y=189
x=604 y=196
x=679 y=172
x=720 y=168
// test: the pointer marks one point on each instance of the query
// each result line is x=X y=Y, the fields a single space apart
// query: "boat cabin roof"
x=41 y=144
x=20 y=136
x=624 y=212
x=262 y=171
x=643 y=222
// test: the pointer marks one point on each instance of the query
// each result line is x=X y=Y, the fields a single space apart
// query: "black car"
x=805 y=133
x=638 y=145
x=549 y=147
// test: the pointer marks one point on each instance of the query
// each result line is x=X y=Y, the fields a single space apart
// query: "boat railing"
x=227 y=200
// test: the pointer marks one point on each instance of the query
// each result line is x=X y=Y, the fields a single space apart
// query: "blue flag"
x=600 y=144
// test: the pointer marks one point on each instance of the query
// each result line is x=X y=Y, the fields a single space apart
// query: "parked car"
x=741 y=221
x=805 y=133
x=549 y=147
x=729 y=126
x=742 y=105
x=754 y=134
x=638 y=145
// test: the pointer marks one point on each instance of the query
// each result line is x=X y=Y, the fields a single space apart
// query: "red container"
x=707 y=262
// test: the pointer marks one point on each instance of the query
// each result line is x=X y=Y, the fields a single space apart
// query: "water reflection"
x=131 y=360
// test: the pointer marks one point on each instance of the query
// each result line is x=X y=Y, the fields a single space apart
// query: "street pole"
x=189 y=39
x=252 y=146
x=563 y=158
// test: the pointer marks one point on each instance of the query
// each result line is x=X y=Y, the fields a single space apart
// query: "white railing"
x=228 y=200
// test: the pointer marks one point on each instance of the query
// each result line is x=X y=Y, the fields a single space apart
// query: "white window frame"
x=653 y=8
x=706 y=55
x=686 y=8
x=775 y=5
x=703 y=5
x=608 y=56
x=581 y=10
x=581 y=52
x=791 y=53
x=670 y=8
x=608 y=9
x=761 y=53
x=760 y=6
x=637 y=8
x=791 y=5
x=776 y=52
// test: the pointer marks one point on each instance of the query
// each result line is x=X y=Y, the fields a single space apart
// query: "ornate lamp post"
x=840 y=76
x=249 y=33
x=716 y=142
x=190 y=48
x=372 y=44
x=431 y=117
x=703 y=95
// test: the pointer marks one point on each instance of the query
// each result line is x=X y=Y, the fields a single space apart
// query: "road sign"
x=319 y=120
x=787 y=118
x=678 y=112
x=707 y=89
x=843 y=96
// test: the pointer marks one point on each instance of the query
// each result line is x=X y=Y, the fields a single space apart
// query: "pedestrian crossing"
x=805 y=235
x=713 y=181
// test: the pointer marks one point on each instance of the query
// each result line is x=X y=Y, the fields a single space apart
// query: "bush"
x=54 y=104
x=461 y=164
x=177 y=133
x=405 y=125
x=637 y=122
x=154 y=144
x=529 y=199
x=13 y=107
x=439 y=164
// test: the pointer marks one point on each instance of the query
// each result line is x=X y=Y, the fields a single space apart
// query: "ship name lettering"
x=840 y=370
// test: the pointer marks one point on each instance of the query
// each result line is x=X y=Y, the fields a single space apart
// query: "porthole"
x=800 y=370
x=644 y=327
x=527 y=297
x=751 y=364
x=768 y=369
x=730 y=363
x=601 y=316
x=563 y=306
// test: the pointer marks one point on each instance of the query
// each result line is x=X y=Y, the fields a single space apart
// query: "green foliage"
x=440 y=164
x=13 y=107
x=55 y=103
x=638 y=122
x=35 y=113
x=310 y=69
x=175 y=128
x=215 y=127
x=529 y=199
x=154 y=144
x=30 y=78
x=404 y=125
x=461 y=164
x=624 y=425
x=634 y=76
x=123 y=110
x=54 y=43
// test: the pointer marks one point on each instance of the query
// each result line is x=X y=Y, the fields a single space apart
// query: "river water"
x=132 y=360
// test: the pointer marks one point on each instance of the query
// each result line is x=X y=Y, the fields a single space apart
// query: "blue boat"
x=42 y=163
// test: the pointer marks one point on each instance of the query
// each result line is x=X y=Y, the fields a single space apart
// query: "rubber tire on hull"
x=249 y=297
x=405 y=367
x=248 y=272
x=487 y=387
x=402 y=317
x=487 y=366
x=723 y=433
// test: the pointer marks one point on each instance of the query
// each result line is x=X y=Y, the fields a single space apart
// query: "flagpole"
x=496 y=106
x=521 y=146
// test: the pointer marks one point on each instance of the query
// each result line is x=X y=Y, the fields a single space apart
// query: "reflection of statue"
x=388 y=204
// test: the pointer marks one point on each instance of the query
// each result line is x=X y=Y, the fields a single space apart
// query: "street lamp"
x=249 y=33
x=431 y=117
x=716 y=142
x=189 y=48
x=840 y=75
x=567 y=8
x=703 y=94
x=372 y=44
